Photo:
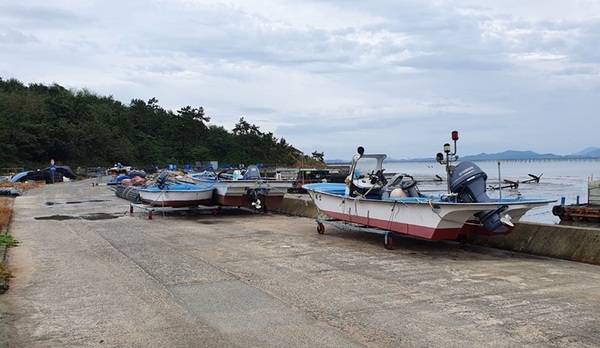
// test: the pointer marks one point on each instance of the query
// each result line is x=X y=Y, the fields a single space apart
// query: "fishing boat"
x=117 y=169
x=308 y=176
x=165 y=193
x=577 y=212
x=369 y=202
x=244 y=188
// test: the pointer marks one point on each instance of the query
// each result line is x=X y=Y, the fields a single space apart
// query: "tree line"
x=82 y=129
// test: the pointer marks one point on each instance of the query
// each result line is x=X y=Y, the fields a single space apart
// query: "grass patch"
x=7 y=239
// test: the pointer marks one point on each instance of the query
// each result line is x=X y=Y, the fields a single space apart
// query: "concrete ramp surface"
x=244 y=279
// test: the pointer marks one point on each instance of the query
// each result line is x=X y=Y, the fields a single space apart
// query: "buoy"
x=397 y=193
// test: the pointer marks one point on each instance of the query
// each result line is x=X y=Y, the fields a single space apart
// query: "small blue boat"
x=176 y=195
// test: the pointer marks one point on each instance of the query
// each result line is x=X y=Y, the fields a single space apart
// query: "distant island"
x=590 y=152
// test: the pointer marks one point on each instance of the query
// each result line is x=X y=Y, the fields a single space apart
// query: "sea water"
x=559 y=179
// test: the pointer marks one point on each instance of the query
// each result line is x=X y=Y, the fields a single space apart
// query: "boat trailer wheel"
x=320 y=228
x=388 y=241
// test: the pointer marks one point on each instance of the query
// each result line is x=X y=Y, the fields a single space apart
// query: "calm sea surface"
x=566 y=178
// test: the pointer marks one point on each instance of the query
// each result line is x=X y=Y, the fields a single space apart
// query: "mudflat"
x=87 y=273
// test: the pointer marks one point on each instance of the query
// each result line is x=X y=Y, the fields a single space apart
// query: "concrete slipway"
x=89 y=274
x=558 y=241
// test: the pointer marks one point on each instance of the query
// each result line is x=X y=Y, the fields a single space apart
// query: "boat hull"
x=240 y=193
x=420 y=217
x=176 y=198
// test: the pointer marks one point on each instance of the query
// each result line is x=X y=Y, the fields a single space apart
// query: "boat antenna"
x=450 y=157
x=499 y=182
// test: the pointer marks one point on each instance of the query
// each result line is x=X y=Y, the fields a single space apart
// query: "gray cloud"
x=395 y=77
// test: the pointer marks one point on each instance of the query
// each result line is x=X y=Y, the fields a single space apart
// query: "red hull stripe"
x=412 y=230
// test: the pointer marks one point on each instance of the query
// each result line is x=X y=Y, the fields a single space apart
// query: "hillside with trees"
x=81 y=128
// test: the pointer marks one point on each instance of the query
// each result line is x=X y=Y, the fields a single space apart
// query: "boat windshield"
x=365 y=166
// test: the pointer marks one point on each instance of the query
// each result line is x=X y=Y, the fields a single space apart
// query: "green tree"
x=80 y=128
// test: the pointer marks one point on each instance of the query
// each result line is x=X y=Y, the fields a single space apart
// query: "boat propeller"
x=256 y=204
x=506 y=220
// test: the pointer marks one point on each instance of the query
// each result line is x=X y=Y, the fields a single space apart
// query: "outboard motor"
x=252 y=173
x=468 y=182
x=162 y=179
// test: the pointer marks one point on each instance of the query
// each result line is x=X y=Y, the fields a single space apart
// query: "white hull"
x=370 y=201
x=176 y=198
x=245 y=192
x=416 y=216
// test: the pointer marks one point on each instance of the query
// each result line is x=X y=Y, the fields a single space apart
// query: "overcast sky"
x=393 y=76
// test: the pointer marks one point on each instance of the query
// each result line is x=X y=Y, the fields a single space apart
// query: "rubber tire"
x=558 y=210
x=320 y=228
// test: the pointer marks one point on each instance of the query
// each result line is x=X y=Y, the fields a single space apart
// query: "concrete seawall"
x=564 y=242
x=573 y=243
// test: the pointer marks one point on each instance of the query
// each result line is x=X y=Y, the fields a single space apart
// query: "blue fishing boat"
x=246 y=188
